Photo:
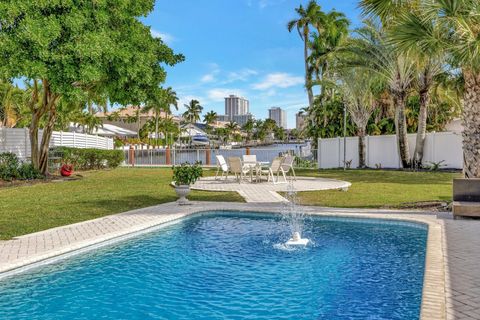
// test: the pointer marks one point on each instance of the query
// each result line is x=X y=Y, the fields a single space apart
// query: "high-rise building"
x=241 y=119
x=300 y=121
x=235 y=106
x=279 y=115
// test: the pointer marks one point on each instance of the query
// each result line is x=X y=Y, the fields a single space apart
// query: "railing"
x=305 y=157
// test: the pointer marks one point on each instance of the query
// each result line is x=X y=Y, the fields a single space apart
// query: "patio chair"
x=287 y=165
x=249 y=160
x=275 y=169
x=236 y=168
x=221 y=165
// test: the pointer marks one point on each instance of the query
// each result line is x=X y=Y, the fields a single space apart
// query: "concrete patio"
x=267 y=192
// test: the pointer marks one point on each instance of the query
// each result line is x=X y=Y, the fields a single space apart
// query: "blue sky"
x=237 y=47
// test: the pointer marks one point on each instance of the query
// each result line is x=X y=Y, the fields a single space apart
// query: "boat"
x=200 y=140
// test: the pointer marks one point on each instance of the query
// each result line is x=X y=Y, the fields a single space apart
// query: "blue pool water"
x=232 y=266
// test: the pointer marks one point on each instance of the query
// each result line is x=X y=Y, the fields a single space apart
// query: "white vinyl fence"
x=18 y=141
x=383 y=151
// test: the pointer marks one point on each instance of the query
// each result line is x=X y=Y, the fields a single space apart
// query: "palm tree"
x=12 y=101
x=332 y=28
x=209 y=118
x=232 y=127
x=357 y=86
x=193 y=111
x=372 y=50
x=248 y=127
x=306 y=18
x=451 y=28
x=161 y=101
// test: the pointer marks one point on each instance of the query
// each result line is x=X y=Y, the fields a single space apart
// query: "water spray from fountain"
x=294 y=218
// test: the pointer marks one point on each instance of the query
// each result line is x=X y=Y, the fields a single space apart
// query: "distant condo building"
x=241 y=119
x=279 y=116
x=300 y=121
x=235 y=106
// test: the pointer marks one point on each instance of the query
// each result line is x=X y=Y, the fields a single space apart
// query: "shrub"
x=187 y=174
x=9 y=164
x=26 y=171
x=11 y=168
x=89 y=159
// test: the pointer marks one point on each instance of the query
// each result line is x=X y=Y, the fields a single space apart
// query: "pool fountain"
x=294 y=217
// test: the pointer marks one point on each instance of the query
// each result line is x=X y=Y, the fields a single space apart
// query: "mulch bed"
x=49 y=179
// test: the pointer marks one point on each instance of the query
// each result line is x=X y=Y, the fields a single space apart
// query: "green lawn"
x=380 y=188
x=27 y=209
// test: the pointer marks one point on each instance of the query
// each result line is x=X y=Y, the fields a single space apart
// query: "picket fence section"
x=382 y=151
x=17 y=140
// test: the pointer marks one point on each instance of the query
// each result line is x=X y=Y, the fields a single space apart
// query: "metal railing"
x=304 y=158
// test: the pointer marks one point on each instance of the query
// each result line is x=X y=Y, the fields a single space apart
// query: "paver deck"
x=267 y=192
x=452 y=275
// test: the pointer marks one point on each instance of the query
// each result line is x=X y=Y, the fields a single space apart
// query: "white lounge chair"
x=236 y=168
x=287 y=165
x=221 y=165
x=249 y=160
x=275 y=169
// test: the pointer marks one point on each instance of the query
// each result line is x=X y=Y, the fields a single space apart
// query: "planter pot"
x=182 y=192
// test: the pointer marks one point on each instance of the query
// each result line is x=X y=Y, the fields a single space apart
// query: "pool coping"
x=146 y=220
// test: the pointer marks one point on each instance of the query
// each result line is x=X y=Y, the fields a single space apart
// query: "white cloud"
x=219 y=94
x=208 y=78
x=242 y=75
x=166 y=37
x=278 y=80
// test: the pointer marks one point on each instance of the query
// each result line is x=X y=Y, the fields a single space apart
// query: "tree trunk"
x=45 y=144
x=156 y=129
x=362 y=148
x=400 y=99
x=471 y=124
x=422 y=127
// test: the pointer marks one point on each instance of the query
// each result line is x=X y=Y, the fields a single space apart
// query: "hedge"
x=11 y=168
x=89 y=159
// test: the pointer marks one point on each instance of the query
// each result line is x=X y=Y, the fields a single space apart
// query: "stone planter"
x=182 y=192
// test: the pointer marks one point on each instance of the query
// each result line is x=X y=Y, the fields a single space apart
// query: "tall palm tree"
x=306 y=18
x=372 y=50
x=332 y=30
x=248 y=127
x=161 y=101
x=451 y=27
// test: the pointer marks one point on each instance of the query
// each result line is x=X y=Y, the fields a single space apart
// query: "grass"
x=380 y=188
x=27 y=209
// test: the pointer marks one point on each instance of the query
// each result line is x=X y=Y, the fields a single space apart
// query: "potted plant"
x=184 y=176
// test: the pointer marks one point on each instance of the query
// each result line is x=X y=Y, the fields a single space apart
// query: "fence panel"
x=382 y=151
x=17 y=140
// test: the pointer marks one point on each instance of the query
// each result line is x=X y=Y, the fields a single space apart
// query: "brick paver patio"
x=452 y=276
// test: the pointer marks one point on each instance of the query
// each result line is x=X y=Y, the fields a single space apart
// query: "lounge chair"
x=287 y=165
x=275 y=169
x=221 y=165
x=236 y=168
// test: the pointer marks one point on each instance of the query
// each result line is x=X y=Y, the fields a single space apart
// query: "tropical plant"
x=12 y=102
x=186 y=174
x=248 y=128
x=210 y=118
x=62 y=57
x=372 y=50
x=161 y=101
x=451 y=28
x=307 y=17
x=192 y=112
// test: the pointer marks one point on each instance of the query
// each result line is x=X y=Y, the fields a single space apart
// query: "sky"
x=237 y=47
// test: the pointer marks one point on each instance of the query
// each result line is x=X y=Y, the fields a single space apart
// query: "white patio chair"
x=221 y=165
x=275 y=169
x=287 y=165
x=249 y=160
x=236 y=168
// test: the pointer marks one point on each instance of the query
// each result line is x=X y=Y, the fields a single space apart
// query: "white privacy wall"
x=383 y=150
x=18 y=141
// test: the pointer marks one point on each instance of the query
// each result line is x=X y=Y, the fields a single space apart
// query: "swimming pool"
x=231 y=266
